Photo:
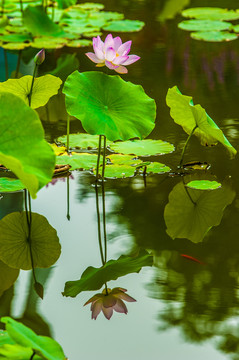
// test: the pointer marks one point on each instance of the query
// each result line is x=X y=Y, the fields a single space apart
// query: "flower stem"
x=33 y=79
x=103 y=168
x=2 y=12
x=53 y=11
x=33 y=355
x=106 y=289
x=98 y=159
x=68 y=133
x=18 y=63
x=6 y=63
x=98 y=223
x=185 y=146
x=21 y=6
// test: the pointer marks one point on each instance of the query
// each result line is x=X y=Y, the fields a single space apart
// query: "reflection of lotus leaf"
x=93 y=278
x=8 y=185
x=143 y=147
x=191 y=213
x=15 y=248
x=7 y=277
x=110 y=106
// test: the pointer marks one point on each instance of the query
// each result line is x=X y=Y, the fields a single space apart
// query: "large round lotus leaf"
x=81 y=161
x=39 y=24
x=191 y=213
x=90 y=6
x=115 y=171
x=108 y=105
x=43 y=89
x=211 y=13
x=15 y=46
x=12 y=38
x=8 y=276
x=63 y=4
x=143 y=147
x=213 y=36
x=15 y=247
x=23 y=148
x=48 y=42
x=79 y=43
x=203 y=185
x=124 y=26
x=121 y=159
x=204 y=25
x=82 y=141
x=188 y=115
x=8 y=185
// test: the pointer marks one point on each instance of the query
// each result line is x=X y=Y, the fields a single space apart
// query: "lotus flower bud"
x=40 y=57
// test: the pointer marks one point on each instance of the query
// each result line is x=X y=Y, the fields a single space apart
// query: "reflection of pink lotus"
x=107 y=302
x=112 y=53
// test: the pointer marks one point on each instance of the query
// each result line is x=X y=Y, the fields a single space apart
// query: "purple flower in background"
x=112 y=53
x=109 y=301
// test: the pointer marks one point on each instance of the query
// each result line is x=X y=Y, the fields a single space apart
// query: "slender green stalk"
x=68 y=198
x=98 y=223
x=106 y=289
x=6 y=63
x=18 y=63
x=185 y=146
x=68 y=133
x=33 y=78
x=2 y=12
x=98 y=159
x=104 y=220
x=33 y=355
x=53 y=11
x=103 y=168
x=21 y=6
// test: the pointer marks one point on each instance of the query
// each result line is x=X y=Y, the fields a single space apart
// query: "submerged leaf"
x=43 y=89
x=93 y=278
x=15 y=244
x=190 y=116
x=110 y=106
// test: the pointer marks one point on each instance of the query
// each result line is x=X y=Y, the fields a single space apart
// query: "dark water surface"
x=184 y=309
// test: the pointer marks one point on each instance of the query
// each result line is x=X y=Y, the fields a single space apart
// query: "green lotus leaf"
x=236 y=28
x=66 y=64
x=82 y=141
x=94 y=278
x=90 y=6
x=8 y=185
x=39 y=24
x=124 y=26
x=79 y=43
x=44 y=346
x=16 y=38
x=8 y=276
x=171 y=9
x=58 y=150
x=121 y=159
x=3 y=21
x=191 y=213
x=115 y=171
x=143 y=147
x=213 y=36
x=157 y=168
x=16 y=352
x=211 y=13
x=204 y=185
x=23 y=149
x=110 y=106
x=49 y=42
x=15 y=247
x=64 y=4
x=43 y=89
x=82 y=161
x=204 y=25
x=5 y=338
x=15 y=46
x=188 y=116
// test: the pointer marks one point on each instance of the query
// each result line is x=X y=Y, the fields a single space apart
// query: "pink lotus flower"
x=112 y=53
x=107 y=302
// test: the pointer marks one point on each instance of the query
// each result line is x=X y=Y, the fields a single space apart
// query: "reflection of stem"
x=68 y=133
x=98 y=158
x=104 y=222
x=33 y=78
x=186 y=189
x=185 y=145
x=6 y=64
x=98 y=223
x=18 y=63
x=68 y=198
x=33 y=355
x=103 y=169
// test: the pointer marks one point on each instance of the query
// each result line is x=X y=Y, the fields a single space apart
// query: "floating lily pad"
x=43 y=89
x=143 y=147
x=16 y=38
x=23 y=148
x=79 y=42
x=43 y=346
x=82 y=161
x=48 y=42
x=82 y=141
x=14 y=244
x=115 y=171
x=188 y=116
x=15 y=46
x=8 y=185
x=90 y=6
x=204 y=25
x=211 y=13
x=121 y=159
x=58 y=150
x=124 y=26
x=94 y=278
x=213 y=36
x=191 y=213
x=157 y=168
x=108 y=105
x=204 y=185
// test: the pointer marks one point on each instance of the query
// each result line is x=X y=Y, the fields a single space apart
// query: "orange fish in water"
x=193 y=259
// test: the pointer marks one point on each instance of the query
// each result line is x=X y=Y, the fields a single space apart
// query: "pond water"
x=186 y=307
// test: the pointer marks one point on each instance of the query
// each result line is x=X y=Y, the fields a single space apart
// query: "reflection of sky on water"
x=132 y=336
